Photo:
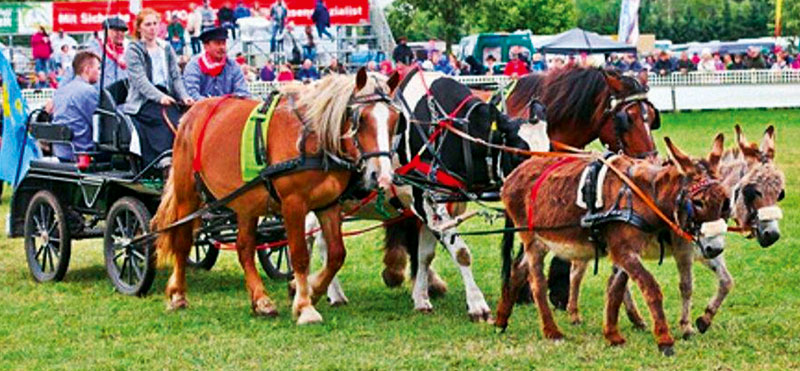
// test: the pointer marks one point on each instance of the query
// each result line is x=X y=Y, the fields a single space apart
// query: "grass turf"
x=82 y=323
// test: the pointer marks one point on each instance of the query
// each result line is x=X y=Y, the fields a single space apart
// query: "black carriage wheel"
x=276 y=263
x=204 y=254
x=131 y=267
x=47 y=238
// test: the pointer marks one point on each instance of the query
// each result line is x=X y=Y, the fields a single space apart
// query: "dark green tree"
x=539 y=16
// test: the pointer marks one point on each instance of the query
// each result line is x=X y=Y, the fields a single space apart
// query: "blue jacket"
x=307 y=74
x=73 y=105
x=321 y=17
x=229 y=81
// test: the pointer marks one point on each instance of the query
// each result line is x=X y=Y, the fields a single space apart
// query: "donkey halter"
x=683 y=201
x=355 y=106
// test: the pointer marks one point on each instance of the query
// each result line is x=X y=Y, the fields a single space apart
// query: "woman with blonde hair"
x=156 y=87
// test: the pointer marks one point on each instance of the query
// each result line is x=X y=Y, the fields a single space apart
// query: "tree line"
x=677 y=20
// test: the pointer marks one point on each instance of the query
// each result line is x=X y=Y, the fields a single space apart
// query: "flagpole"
x=778 y=9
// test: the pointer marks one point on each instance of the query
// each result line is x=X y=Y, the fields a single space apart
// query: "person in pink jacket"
x=42 y=50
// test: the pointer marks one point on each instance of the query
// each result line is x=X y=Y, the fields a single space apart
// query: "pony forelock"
x=325 y=105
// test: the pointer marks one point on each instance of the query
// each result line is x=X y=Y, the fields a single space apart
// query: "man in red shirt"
x=515 y=67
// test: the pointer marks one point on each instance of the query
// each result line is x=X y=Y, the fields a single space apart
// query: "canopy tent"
x=577 y=40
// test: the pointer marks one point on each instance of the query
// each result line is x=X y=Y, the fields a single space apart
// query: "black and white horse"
x=435 y=166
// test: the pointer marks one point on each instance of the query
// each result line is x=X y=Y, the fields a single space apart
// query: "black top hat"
x=115 y=24
x=217 y=33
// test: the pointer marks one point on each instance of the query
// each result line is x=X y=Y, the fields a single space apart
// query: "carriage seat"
x=113 y=130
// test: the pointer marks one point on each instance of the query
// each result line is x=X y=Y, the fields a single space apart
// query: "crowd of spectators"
x=53 y=54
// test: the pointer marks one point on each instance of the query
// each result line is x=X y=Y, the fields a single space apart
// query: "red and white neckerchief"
x=117 y=54
x=209 y=67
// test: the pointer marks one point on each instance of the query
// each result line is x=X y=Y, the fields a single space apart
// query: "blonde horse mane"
x=325 y=104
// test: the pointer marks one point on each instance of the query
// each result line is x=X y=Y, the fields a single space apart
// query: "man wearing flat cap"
x=212 y=73
x=115 y=67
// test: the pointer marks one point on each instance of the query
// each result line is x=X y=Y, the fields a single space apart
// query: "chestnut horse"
x=757 y=186
x=340 y=119
x=541 y=195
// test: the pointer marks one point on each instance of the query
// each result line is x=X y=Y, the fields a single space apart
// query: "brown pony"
x=685 y=189
x=757 y=186
x=340 y=117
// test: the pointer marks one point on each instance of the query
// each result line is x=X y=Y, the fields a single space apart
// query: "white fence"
x=695 y=90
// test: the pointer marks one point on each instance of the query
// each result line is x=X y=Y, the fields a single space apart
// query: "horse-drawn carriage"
x=111 y=194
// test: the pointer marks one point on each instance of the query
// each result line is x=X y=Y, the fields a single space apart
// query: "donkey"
x=684 y=188
x=757 y=186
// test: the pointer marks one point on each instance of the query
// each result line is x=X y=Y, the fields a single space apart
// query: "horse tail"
x=511 y=277
x=166 y=214
x=399 y=244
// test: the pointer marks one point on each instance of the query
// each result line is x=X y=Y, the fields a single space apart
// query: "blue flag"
x=15 y=139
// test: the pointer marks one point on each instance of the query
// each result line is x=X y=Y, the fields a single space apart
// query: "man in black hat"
x=115 y=68
x=212 y=73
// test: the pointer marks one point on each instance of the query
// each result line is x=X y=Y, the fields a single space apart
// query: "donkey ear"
x=768 y=143
x=361 y=78
x=749 y=151
x=682 y=161
x=393 y=82
x=716 y=150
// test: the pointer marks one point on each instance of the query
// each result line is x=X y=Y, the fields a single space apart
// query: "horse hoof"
x=263 y=307
x=615 y=339
x=425 y=310
x=177 y=302
x=500 y=328
x=556 y=337
x=392 y=278
x=640 y=326
x=308 y=316
x=480 y=317
x=688 y=333
x=667 y=350
x=576 y=320
x=702 y=324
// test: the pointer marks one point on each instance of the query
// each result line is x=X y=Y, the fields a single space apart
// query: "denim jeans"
x=42 y=65
x=273 y=44
x=196 y=45
x=323 y=30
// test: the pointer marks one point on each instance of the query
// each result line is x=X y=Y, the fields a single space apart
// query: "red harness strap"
x=197 y=165
x=538 y=184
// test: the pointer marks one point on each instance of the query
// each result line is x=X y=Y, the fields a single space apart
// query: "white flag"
x=629 y=22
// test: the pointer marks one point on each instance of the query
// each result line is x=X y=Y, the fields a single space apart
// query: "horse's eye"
x=698 y=204
x=781 y=195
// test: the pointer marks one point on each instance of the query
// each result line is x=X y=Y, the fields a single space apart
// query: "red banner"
x=88 y=16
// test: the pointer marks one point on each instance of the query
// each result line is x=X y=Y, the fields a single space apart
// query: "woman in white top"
x=156 y=87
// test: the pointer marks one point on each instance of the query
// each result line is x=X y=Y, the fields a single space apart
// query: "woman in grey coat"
x=156 y=87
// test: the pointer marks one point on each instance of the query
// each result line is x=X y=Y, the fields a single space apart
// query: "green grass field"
x=82 y=323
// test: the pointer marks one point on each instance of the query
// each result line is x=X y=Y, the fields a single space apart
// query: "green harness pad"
x=249 y=152
x=499 y=97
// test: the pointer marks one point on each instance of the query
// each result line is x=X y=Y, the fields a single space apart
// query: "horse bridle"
x=354 y=108
x=619 y=106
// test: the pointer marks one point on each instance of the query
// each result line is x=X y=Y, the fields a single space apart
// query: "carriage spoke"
x=121 y=227
x=50 y=255
x=138 y=254
x=39 y=252
x=136 y=268
x=44 y=258
x=130 y=269
x=122 y=269
x=280 y=258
